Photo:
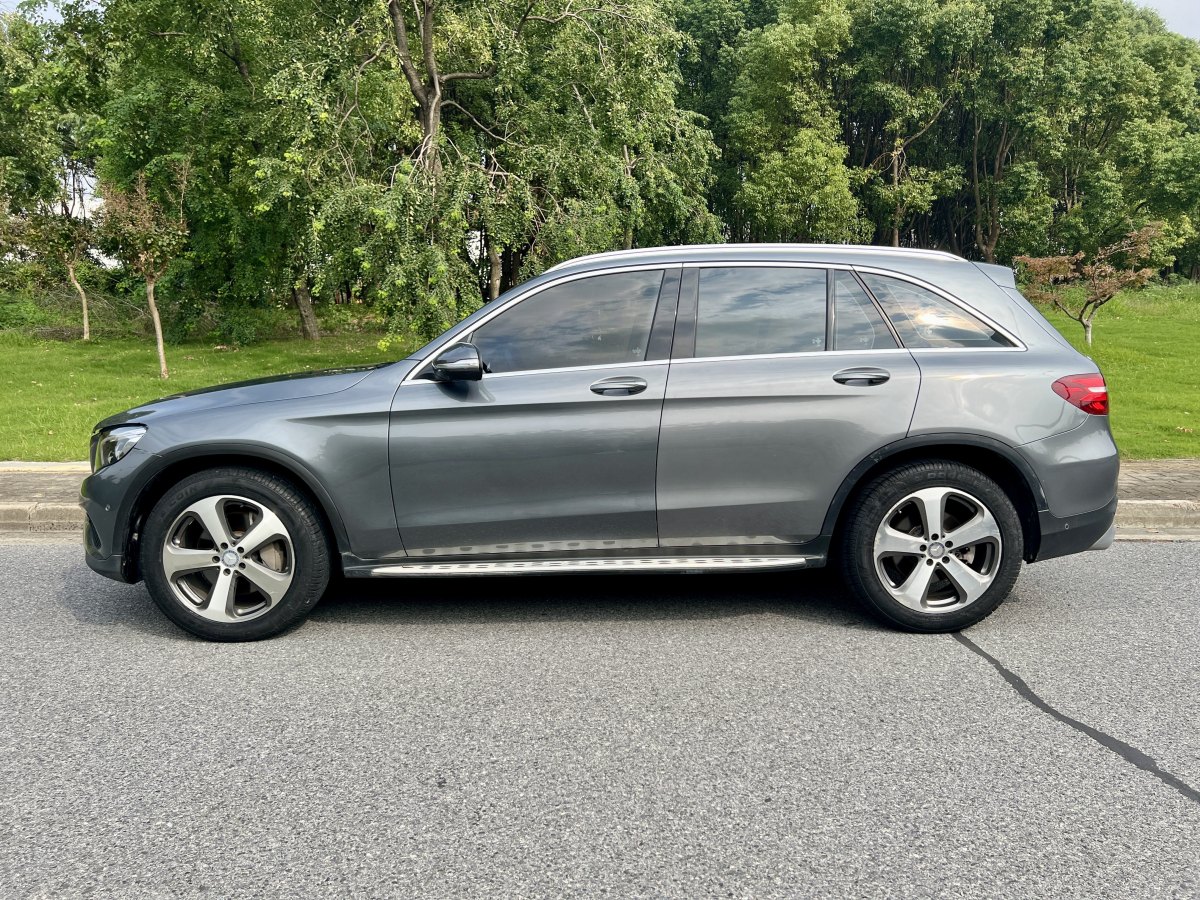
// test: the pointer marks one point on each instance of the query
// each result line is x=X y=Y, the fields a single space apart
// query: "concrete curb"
x=1158 y=514
x=37 y=517
x=8 y=467
x=1134 y=517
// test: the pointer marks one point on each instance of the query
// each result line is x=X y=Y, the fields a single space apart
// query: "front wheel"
x=235 y=554
x=932 y=546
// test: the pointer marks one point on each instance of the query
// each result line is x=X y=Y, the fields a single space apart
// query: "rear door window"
x=751 y=310
x=923 y=319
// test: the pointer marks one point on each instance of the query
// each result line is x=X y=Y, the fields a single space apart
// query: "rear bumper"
x=1062 y=536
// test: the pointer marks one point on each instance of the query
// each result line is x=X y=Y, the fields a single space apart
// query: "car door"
x=783 y=378
x=553 y=451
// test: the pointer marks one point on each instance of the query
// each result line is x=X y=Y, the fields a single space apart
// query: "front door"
x=554 y=450
x=761 y=422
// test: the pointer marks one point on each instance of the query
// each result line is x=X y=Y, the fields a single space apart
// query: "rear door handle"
x=619 y=386
x=862 y=376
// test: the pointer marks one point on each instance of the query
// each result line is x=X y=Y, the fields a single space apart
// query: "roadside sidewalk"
x=1160 y=499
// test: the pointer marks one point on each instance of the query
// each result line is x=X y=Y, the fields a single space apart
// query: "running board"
x=610 y=564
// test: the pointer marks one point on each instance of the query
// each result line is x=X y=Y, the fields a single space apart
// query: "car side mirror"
x=459 y=362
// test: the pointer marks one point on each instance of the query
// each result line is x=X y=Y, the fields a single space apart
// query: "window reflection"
x=590 y=321
x=746 y=310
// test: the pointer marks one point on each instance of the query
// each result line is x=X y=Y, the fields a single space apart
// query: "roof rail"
x=863 y=248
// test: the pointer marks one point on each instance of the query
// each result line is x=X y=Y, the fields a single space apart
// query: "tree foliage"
x=419 y=157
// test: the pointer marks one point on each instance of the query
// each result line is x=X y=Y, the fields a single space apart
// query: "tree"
x=147 y=233
x=794 y=184
x=1102 y=275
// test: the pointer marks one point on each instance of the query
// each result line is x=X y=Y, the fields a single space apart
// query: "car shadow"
x=815 y=595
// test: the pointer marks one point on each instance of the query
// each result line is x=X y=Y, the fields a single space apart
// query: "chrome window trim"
x=804 y=354
x=1018 y=344
x=595 y=367
x=411 y=377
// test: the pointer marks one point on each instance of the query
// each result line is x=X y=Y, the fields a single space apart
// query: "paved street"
x=657 y=736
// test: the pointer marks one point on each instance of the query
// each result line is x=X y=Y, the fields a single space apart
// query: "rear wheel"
x=932 y=546
x=235 y=554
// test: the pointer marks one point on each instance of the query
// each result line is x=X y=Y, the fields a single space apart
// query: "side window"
x=746 y=310
x=923 y=319
x=593 y=321
x=857 y=324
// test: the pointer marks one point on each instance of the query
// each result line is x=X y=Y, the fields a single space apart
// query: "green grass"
x=54 y=392
x=1147 y=345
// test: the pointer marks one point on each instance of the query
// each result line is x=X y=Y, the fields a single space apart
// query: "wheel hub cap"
x=230 y=558
x=936 y=550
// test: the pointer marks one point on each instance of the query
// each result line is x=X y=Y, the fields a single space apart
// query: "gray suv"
x=905 y=415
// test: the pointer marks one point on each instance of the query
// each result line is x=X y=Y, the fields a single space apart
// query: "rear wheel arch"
x=179 y=466
x=994 y=459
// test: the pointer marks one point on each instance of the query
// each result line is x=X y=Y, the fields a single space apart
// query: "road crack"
x=1127 y=752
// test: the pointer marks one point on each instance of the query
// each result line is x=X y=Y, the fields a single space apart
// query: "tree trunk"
x=495 y=271
x=1087 y=331
x=158 y=335
x=896 y=188
x=309 y=330
x=87 y=328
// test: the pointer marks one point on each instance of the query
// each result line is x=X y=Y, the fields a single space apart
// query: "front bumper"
x=1075 y=534
x=107 y=498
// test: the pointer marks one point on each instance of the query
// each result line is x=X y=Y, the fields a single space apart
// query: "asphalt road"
x=680 y=736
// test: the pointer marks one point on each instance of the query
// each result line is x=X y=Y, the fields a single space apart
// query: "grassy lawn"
x=1146 y=344
x=54 y=392
x=1148 y=347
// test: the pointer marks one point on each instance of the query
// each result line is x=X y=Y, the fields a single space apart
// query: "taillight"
x=1087 y=392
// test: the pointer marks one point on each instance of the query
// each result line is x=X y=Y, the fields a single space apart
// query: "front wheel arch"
x=183 y=465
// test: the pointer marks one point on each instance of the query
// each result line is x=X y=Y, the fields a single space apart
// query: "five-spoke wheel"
x=228 y=557
x=932 y=546
x=235 y=554
x=938 y=549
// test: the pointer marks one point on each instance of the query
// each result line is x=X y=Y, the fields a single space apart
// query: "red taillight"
x=1087 y=392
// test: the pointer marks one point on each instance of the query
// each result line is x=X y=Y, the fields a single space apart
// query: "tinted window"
x=748 y=310
x=923 y=319
x=593 y=321
x=857 y=324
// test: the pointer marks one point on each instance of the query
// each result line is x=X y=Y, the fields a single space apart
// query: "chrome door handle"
x=619 y=385
x=862 y=376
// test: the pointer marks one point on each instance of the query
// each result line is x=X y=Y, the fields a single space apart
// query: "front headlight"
x=109 y=446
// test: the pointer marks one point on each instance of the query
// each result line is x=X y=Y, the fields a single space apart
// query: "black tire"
x=309 y=565
x=856 y=549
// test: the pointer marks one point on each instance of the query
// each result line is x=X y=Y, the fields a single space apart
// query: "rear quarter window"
x=924 y=319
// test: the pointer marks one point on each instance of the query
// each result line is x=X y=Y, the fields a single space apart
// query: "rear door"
x=783 y=377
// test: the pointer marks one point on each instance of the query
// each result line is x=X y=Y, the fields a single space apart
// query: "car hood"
x=295 y=386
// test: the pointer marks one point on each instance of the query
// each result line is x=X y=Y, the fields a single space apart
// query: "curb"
x=1158 y=514
x=1136 y=519
x=14 y=467
x=39 y=517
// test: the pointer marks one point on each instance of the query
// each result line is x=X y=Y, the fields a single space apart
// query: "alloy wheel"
x=228 y=558
x=937 y=550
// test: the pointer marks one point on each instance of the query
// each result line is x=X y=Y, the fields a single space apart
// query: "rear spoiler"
x=1002 y=275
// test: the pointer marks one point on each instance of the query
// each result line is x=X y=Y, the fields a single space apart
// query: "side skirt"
x=606 y=564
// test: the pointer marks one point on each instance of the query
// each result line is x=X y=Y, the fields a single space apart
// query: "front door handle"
x=862 y=376
x=619 y=386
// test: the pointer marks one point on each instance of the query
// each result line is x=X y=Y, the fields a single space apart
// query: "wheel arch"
x=997 y=460
x=178 y=465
